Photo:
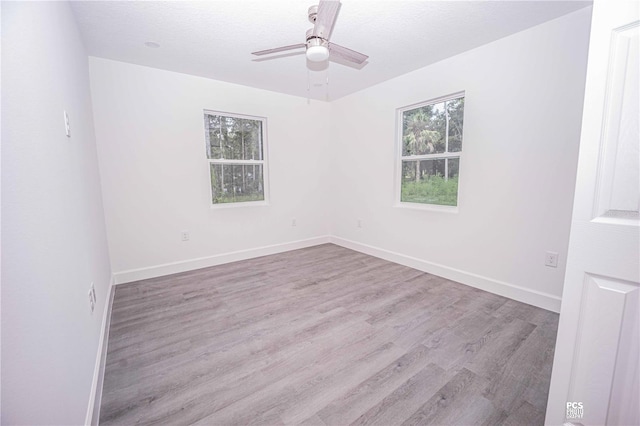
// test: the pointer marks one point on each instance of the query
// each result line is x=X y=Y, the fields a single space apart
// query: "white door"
x=595 y=378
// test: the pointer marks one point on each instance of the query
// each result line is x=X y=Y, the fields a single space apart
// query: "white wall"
x=522 y=123
x=155 y=175
x=53 y=233
x=523 y=110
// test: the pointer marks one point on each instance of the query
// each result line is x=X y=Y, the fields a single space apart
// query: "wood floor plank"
x=506 y=339
x=314 y=420
x=322 y=336
x=226 y=353
x=525 y=376
x=428 y=324
x=285 y=394
x=312 y=395
x=346 y=408
x=525 y=413
x=445 y=405
x=231 y=378
x=405 y=399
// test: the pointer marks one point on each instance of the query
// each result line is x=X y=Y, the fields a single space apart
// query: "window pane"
x=455 y=112
x=233 y=138
x=213 y=136
x=251 y=139
x=453 y=167
x=423 y=130
x=430 y=181
x=234 y=183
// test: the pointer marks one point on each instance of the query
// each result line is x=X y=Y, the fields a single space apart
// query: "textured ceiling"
x=214 y=38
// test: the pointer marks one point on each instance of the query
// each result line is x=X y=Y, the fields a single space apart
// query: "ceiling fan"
x=318 y=47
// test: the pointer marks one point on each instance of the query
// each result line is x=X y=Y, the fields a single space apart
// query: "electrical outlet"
x=551 y=259
x=185 y=235
x=359 y=223
x=294 y=222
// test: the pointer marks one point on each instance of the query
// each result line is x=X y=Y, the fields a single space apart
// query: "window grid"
x=406 y=159
x=225 y=191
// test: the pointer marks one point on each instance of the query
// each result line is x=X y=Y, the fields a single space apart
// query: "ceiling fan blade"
x=279 y=49
x=335 y=50
x=279 y=56
x=326 y=18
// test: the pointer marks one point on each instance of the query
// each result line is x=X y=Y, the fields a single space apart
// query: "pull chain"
x=308 y=87
x=326 y=92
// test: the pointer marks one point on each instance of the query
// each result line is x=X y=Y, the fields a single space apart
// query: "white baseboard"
x=521 y=294
x=204 y=262
x=95 y=397
x=512 y=291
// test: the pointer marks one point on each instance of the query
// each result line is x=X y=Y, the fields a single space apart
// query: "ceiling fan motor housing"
x=313 y=13
x=314 y=40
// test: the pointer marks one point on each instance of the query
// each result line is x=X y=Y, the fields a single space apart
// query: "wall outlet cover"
x=551 y=259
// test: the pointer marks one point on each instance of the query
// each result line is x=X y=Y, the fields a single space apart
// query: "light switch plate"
x=67 y=127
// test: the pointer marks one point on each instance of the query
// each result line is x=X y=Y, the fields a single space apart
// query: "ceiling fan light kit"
x=317 y=50
x=317 y=45
x=317 y=53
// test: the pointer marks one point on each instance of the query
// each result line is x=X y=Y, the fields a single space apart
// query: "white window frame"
x=446 y=154
x=264 y=162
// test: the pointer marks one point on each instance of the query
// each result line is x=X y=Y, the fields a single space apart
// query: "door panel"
x=607 y=317
x=619 y=167
x=597 y=360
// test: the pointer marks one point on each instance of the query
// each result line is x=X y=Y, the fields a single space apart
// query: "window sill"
x=240 y=204
x=427 y=207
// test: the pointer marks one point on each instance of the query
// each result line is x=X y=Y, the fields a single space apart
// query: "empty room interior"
x=424 y=212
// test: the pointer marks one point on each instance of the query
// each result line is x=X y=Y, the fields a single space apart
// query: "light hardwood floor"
x=323 y=336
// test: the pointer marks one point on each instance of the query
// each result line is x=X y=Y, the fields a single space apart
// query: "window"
x=430 y=147
x=235 y=151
